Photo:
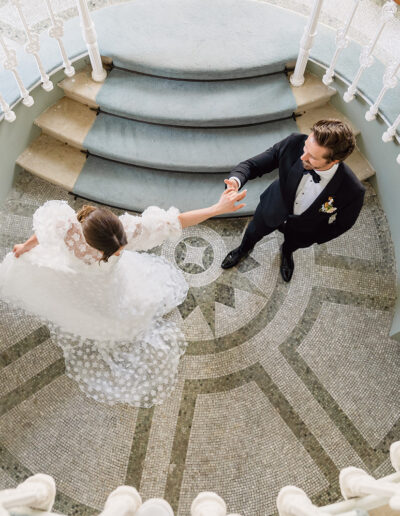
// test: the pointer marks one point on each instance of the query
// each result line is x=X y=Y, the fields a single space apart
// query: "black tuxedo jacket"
x=277 y=201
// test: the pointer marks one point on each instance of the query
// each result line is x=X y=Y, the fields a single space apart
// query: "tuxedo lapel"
x=294 y=177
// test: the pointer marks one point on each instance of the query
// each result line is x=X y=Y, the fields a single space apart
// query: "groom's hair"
x=336 y=136
x=102 y=230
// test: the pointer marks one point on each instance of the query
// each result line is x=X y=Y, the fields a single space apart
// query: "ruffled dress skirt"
x=107 y=317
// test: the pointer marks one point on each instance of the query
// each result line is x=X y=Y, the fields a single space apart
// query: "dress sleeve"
x=152 y=228
x=52 y=221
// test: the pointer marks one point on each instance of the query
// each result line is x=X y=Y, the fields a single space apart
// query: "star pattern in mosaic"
x=195 y=255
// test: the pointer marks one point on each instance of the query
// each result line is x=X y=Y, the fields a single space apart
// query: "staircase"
x=168 y=133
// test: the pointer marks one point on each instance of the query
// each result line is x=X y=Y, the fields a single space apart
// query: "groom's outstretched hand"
x=232 y=183
x=227 y=201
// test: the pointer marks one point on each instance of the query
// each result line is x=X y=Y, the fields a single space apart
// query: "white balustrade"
x=36 y=492
x=355 y=482
x=8 y=114
x=209 y=504
x=10 y=63
x=123 y=501
x=33 y=46
x=366 y=59
x=389 y=81
x=90 y=37
x=297 y=79
x=56 y=31
x=342 y=42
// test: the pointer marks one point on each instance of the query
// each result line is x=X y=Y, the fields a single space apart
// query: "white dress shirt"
x=308 y=190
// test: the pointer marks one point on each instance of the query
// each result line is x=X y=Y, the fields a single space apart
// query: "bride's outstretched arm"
x=226 y=204
x=26 y=246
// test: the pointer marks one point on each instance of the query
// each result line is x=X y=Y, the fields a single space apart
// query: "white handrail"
x=342 y=42
x=11 y=64
x=56 y=31
x=297 y=78
x=389 y=81
x=90 y=37
x=355 y=482
x=33 y=46
x=366 y=59
x=36 y=492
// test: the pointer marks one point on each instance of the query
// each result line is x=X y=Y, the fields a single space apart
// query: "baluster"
x=36 y=492
x=355 y=482
x=297 y=79
x=395 y=455
x=293 y=501
x=8 y=114
x=388 y=135
x=11 y=63
x=56 y=31
x=155 y=507
x=209 y=504
x=389 y=81
x=90 y=37
x=366 y=58
x=33 y=47
x=123 y=501
x=342 y=42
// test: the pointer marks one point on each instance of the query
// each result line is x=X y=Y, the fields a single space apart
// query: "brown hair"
x=336 y=136
x=102 y=230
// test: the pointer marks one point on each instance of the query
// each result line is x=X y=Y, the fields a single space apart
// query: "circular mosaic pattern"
x=194 y=255
x=201 y=264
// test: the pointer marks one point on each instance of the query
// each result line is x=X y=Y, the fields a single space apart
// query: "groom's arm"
x=261 y=164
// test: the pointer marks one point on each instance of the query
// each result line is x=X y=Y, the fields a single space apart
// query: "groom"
x=315 y=199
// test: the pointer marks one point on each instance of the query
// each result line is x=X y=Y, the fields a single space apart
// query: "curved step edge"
x=134 y=188
x=194 y=103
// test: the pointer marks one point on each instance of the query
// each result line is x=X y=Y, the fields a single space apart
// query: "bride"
x=102 y=300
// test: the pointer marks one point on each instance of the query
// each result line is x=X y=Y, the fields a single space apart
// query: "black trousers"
x=257 y=229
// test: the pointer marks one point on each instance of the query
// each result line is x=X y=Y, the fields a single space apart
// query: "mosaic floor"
x=281 y=384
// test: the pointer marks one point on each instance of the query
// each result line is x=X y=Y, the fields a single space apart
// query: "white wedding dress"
x=107 y=317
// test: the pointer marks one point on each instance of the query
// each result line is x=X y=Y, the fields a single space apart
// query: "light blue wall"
x=16 y=136
x=382 y=157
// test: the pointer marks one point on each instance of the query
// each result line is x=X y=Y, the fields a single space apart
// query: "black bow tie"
x=316 y=177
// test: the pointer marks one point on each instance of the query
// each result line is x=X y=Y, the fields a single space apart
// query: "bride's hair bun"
x=102 y=230
x=84 y=212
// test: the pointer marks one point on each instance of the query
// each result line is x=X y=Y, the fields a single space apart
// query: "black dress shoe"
x=287 y=266
x=233 y=258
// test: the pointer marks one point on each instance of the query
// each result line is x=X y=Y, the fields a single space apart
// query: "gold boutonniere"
x=328 y=206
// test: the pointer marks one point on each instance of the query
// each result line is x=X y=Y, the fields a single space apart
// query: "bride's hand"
x=19 y=249
x=228 y=200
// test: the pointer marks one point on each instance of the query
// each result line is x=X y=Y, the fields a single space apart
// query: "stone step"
x=53 y=161
x=197 y=103
x=188 y=39
x=135 y=188
x=167 y=147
